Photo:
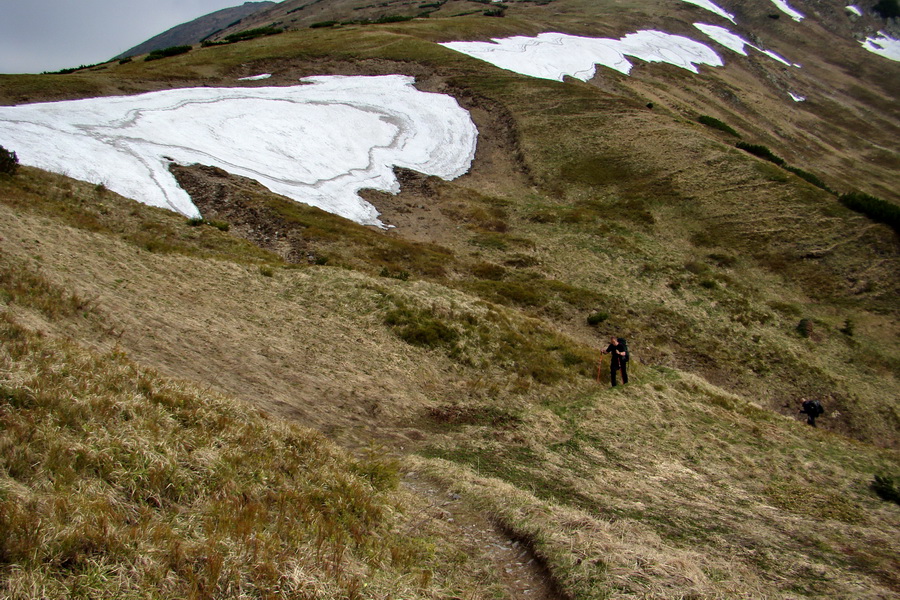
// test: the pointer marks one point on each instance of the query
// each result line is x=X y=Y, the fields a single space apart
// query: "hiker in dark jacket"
x=812 y=409
x=618 y=359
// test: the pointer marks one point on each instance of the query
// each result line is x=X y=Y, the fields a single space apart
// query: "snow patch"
x=318 y=144
x=735 y=42
x=555 y=55
x=256 y=77
x=710 y=6
x=883 y=45
x=786 y=9
x=853 y=9
x=797 y=98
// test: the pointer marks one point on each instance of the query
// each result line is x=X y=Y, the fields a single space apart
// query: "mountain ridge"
x=196 y=30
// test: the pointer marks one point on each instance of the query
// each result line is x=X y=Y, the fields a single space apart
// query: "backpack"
x=813 y=408
x=627 y=354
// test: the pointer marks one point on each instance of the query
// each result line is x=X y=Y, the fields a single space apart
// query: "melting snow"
x=735 y=42
x=786 y=9
x=853 y=9
x=797 y=98
x=318 y=144
x=554 y=55
x=712 y=8
x=883 y=45
x=256 y=77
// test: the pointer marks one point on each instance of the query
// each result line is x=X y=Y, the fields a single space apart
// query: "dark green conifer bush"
x=9 y=162
x=717 y=124
x=760 y=151
x=875 y=208
x=167 y=52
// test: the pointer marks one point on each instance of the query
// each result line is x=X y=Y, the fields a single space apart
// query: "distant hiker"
x=618 y=359
x=812 y=409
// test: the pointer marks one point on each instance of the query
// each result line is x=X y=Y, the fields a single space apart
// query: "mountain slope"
x=194 y=32
x=459 y=341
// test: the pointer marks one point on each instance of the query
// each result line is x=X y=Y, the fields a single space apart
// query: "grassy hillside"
x=460 y=342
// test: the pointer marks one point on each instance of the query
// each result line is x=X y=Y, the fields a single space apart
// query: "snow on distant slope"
x=735 y=42
x=786 y=9
x=853 y=9
x=318 y=144
x=712 y=8
x=255 y=77
x=554 y=55
x=883 y=45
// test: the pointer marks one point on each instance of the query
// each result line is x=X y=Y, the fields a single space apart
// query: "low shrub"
x=887 y=9
x=805 y=328
x=596 y=318
x=250 y=34
x=167 y=52
x=760 y=151
x=9 y=162
x=321 y=24
x=885 y=488
x=809 y=177
x=875 y=208
x=393 y=19
x=717 y=124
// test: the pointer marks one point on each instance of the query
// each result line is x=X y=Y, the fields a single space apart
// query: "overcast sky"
x=48 y=35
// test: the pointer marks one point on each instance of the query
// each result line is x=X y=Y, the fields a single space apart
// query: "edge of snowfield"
x=318 y=143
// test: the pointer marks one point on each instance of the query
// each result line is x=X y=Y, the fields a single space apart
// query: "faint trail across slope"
x=523 y=574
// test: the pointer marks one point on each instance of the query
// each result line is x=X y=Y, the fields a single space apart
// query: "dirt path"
x=523 y=574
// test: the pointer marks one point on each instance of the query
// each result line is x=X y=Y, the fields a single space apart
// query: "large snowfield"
x=555 y=55
x=318 y=143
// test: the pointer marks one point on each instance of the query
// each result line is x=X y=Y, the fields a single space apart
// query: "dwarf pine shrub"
x=875 y=208
x=167 y=52
x=9 y=162
x=885 y=488
x=250 y=34
x=760 y=151
x=809 y=177
x=717 y=124
x=887 y=9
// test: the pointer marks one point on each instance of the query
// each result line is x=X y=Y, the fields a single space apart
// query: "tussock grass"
x=118 y=483
x=93 y=208
x=673 y=487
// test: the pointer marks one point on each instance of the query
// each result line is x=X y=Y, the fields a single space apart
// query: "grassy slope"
x=703 y=256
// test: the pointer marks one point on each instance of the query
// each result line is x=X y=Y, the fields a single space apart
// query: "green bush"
x=596 y=318
x=167 y=52
x=809 y=177
x=717 y=124
x=321 y=24
x=252 y=34
x=875 y=208
x=9 y=162
x=886 y=489
x=888 y=9
x=761 y=152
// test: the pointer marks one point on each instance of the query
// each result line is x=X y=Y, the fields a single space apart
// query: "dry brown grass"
x=691 y=482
